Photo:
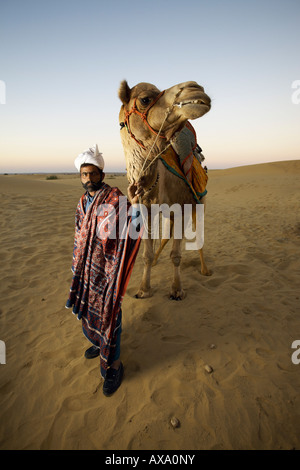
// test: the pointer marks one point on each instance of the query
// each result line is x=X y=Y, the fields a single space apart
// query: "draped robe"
x=103 y=258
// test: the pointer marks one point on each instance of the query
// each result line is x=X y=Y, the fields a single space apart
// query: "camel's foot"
x=143 y=294
x=177 y=294
x=205 y=271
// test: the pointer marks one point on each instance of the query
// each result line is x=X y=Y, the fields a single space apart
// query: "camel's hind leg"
x=204 y=269
x=177 y=293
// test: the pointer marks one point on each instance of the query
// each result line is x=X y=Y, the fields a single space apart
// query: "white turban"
x=91 y=156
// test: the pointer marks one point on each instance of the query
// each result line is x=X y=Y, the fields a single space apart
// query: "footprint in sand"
x=72 y=404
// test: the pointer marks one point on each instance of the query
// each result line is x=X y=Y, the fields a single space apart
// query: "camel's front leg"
x=204 y=269
x=158 y=252
x=148 y=256
x=177 y=293
x=163 y=243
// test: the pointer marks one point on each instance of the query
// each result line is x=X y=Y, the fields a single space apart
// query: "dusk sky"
x=62 y=62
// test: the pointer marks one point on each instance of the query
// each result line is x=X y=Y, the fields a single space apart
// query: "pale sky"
x=62 y=62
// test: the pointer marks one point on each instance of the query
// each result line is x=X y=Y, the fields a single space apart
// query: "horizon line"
x=62 y=172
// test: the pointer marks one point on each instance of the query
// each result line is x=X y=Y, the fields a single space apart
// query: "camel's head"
x=146 y=110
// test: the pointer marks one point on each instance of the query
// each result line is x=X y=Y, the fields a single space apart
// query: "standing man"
x=103 y=258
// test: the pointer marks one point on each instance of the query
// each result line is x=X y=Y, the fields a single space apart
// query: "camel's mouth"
x=187 y=102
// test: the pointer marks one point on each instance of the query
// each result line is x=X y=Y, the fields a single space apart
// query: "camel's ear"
x=124 y=92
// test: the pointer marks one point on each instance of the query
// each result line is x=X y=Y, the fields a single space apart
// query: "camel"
x=149 y=119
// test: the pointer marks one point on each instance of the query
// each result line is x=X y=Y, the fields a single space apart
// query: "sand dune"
x=51 y=397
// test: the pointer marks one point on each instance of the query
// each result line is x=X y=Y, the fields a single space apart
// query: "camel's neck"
x=141 y=162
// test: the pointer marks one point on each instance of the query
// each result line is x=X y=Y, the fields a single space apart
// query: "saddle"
x=183 y=158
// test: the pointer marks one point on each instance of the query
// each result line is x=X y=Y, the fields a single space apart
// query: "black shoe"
x=113 y=380
x=92 y=352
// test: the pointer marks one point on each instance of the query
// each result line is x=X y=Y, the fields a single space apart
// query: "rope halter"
x=143 y=116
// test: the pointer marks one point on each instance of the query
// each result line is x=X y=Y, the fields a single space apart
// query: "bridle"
x=143 y=116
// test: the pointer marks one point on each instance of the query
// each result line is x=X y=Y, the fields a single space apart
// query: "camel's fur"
x=170 y=189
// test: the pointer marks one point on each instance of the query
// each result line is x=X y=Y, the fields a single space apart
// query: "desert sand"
x=241 y=322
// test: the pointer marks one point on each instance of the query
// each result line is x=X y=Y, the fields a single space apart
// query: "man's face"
x=91 y=178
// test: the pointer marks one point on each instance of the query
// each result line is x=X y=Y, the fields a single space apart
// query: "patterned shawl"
x=103 y=259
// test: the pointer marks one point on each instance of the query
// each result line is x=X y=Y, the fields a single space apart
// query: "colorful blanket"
x=103 y=259
x=184 y=164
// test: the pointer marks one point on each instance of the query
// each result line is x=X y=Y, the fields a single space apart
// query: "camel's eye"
x=145 y=100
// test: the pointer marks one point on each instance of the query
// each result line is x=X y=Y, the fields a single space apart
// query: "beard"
x=92 y=187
